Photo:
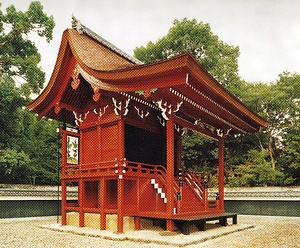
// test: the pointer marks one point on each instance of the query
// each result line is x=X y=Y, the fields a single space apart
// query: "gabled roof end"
x=82 y=29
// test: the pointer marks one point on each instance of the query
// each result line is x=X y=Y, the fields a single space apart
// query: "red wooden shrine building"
x=126 y=156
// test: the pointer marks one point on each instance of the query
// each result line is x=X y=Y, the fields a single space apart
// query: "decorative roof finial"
x=77 y=24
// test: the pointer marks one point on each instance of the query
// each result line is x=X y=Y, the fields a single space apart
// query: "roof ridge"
x=76 y=24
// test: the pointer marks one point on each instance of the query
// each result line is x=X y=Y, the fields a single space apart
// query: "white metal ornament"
x=141 y=113
x=79 y=118
x=168 y=109
x=101 y=111
x=121 y=108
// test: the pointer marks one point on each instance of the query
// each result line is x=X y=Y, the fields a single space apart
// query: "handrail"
x=114 y=166
x=158 y=170
x=196 y=174
x=144 y=168
x=194 y=180
x=196 y=185
x=99 y=167
x=199 y=184
x=175 y=185
x=120 y=167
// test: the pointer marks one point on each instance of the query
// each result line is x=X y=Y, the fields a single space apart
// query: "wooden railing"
x=113 y=167
x=100 y=168
x=118 y=167
x=142 y=169
x=195 y=181
x=151 y=171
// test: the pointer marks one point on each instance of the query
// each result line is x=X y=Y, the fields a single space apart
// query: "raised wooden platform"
x=200 y=221
x=184 y=223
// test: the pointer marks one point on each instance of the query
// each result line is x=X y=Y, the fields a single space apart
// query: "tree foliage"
x=278 y=103
x=31 y=155
x=217 y=57
x=200 y=153
x=287 y=125
x=19 y=57
x=38 y=138
x=14 y=166
x=28 y=146
x=10 y=103
x=256 y=171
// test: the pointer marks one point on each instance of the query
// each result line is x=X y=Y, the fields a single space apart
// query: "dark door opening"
x=144 y=146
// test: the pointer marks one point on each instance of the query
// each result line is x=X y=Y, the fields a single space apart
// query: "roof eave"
x=34 y=105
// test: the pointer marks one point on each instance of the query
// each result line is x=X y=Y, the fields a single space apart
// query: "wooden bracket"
x=76 y=80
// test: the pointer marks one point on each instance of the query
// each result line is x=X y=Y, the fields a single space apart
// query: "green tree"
x=278 y=103
x=200 y=153
x=287 y=126
x=194 y=37
x=265 y=100
x=10 y=104
x=14 y=166
x=256 y=171
x=38 y=138
x=27 y=147
x=19 y=57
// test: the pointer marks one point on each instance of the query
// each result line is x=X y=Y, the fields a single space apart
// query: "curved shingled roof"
x=76 y=24
x=107 y=69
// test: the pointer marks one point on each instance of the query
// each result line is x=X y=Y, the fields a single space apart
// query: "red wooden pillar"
x=63 y=203
x=221 y=174
x=121 y=134
x=63 y=151
x=102 y=204
x=63 y=172
x=81 y=202
x=99 y=153
x=120 y=204
x=178 y=151
x=137 y=223
x=170 y=170
x=178 y=154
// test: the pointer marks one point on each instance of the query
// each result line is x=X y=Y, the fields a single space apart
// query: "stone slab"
x=153 y=235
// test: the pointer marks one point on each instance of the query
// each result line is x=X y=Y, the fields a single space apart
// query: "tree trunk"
x=271 y=151
x=33 y=180
x=259 y=143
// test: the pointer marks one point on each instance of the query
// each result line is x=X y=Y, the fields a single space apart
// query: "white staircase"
x=159 y=190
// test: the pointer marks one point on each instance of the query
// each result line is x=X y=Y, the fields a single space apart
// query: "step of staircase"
x=159 y=190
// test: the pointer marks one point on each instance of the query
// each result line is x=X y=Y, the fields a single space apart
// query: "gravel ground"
x=268 y=232
x=271 y=232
